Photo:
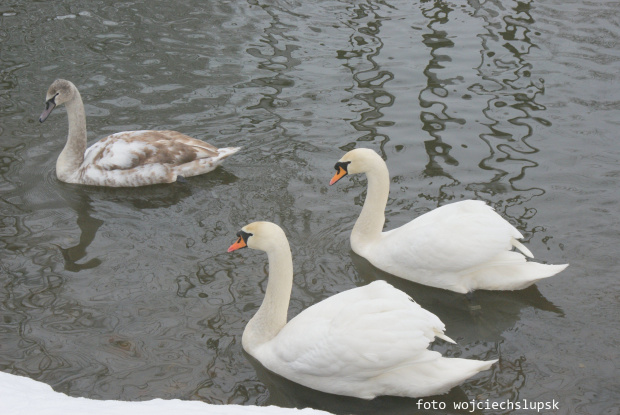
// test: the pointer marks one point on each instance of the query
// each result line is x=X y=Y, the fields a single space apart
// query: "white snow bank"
x=23 y=396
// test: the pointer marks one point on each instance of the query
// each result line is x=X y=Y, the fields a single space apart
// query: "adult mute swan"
x=463 y=246
x=129 y=158
x=364 y=342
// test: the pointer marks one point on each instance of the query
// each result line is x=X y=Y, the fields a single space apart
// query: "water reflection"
x=88 y=225
x=434 y=115
x=502 y=89
x=369 y=79
x=278 y=59
x=506 y=80
x=80 y=200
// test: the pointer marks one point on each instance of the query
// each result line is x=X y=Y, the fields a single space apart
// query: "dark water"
x=130 y=294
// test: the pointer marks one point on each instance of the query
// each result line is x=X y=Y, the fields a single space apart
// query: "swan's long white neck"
x=272 y=314
x=369 y=225
x=72 y=155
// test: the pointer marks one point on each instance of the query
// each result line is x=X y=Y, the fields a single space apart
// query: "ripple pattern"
x=130 y=293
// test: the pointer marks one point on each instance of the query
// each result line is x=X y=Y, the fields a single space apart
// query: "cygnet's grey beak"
x=49 y=107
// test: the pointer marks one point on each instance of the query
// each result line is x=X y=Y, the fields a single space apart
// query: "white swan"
x=460 y=247
x=364 y=342
x=129 y=158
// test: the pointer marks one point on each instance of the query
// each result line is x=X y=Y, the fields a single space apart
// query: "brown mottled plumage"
x=129 y=158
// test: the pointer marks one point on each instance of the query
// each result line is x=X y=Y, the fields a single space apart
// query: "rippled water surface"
x=130 y=293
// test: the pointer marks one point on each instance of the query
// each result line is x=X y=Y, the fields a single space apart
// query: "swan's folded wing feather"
x=360 y=332
x=130 y=149
x=457 y=236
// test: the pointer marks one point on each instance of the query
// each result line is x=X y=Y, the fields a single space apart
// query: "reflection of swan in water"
x=288 y=394
x=485 y=317
x=80 y=200
x=160 y=196
x=89 y=226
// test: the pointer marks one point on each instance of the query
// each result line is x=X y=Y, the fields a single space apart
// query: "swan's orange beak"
x=237 y=245
x=339 y=175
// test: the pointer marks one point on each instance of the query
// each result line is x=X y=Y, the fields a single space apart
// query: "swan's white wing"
x=360 y=333
x=451 y=238
x=130 y=149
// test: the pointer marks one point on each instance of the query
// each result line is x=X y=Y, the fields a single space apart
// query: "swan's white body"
x=463 y=246
x=364 y=342
x=126 y=159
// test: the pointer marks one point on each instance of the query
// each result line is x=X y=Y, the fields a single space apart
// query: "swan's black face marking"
x=242 y=241
x=245 y=236
x=342 y=164
x=50 y=104
x=341 y=171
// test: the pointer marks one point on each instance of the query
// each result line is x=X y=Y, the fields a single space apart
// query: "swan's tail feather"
x=444 y=337
x=434 y=378
x=204 y=165
x=522 y=248
x=510 y=271
x=226 y=151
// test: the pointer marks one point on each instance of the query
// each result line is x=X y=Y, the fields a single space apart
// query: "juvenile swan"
x=364 y=342
x=463 y=246
x=129 y=158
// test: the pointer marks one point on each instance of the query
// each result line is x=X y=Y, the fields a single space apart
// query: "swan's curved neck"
x=272 y=314
x=72 y=155
x=369 y=225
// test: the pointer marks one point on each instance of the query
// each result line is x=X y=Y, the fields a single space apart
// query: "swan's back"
x=461 y=246
x=130 y=149
x=137 y=158
x=450 y=238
